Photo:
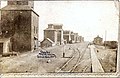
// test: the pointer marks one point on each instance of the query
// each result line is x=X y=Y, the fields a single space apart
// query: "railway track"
x=74 y=63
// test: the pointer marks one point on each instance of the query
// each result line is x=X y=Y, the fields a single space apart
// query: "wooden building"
x=19 y=26
x=47 y=43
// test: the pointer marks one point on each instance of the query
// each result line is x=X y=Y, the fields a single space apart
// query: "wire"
x=116 y=3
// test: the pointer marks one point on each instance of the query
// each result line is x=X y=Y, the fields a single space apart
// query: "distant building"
x=47 y=43
x=98 y=40
x=73 y=38
x=76 y=38
x=111 y=44
x=67 y=36
x=55 y=33
x=81 y=39
x=19 y=28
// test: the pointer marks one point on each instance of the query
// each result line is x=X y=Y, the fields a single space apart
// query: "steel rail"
x=81 y=54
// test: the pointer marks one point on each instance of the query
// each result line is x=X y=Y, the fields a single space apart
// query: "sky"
x=87 y=18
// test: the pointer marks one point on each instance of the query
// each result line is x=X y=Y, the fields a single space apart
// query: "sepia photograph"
x=59 y=38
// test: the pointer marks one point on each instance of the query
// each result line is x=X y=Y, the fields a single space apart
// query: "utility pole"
x=63 y=50
x=105 y=38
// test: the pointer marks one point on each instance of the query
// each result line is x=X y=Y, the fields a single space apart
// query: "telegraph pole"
x=105 y=38
x=63 y=50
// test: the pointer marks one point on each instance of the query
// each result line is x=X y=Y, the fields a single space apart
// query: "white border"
x=73 y=75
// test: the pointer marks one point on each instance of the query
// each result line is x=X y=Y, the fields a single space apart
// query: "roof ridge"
x=50 y=40
x=16 y=7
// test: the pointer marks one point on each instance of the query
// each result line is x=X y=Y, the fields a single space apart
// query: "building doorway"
x=1 y=48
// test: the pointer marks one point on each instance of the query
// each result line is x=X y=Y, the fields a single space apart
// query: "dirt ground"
x=107 y=58
x=29 y=63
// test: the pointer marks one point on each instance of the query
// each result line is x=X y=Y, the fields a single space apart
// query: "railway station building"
x=98 y=40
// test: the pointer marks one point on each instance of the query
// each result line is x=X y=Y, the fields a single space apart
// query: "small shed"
x=47 y=43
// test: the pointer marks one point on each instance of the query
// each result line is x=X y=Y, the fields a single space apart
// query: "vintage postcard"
x=59 y=38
